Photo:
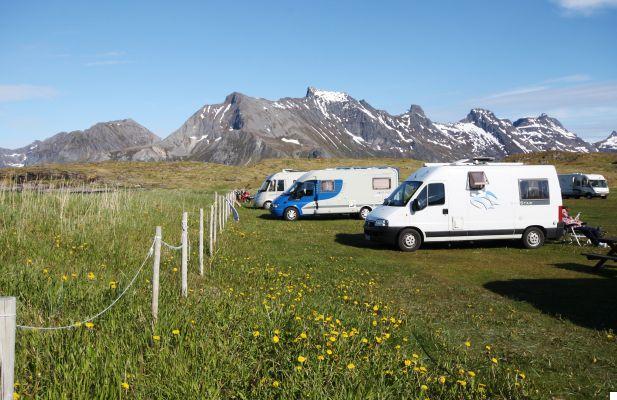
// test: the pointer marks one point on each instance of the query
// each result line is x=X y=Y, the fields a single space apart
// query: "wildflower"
x=329 y=352
x=375 y=307
x=65 y=278
x=332 y=339
x=320 y=357
x=91 y=276
x=256 y=333
x=277 y=332
x=351 y=366
x=89 y=325
x=175 y=269
x=471 y=373
x=298 y=367
x=407 y=363
x=301 y=359
x=522 y=375
x=125 y=386
x=276 y=384
x=275 y=339
x=442 y=379
x=468 y=344
x=494 y=360
x=424 y=387
x=45 y=271
x=303 y=335
x=462 y=383
x=15 y=396
x=175 y=332
x=609 y=336
x=156 y=338
x=487 y=347
x=113 y=284
x=73 y=275
x=364 y=340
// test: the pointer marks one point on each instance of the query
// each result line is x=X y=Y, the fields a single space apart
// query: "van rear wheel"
x=290 y=214
x=267 y=205
x=533 y=238
x=364 y=212
x=409 y=240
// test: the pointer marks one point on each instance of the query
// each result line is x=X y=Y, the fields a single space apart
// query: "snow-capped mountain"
x=333 y=124
x=93 y=144
x=609 y=144
x=245 y=129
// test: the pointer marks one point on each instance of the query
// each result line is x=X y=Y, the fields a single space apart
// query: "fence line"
x=219 y=214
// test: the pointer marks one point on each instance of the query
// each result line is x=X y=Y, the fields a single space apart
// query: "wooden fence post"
x=8 y=308
x=211 y=230
x=158 y=237
x=201 y=241
x=185 y=253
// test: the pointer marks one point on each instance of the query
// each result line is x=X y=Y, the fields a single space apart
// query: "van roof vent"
x=482 y=160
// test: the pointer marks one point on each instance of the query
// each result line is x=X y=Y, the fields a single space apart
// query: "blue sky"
x=67 y=65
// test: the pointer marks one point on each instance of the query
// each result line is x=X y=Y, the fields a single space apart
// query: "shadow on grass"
x=586 y=302
x=589 y=269
x=323 y=217
x=357 y=240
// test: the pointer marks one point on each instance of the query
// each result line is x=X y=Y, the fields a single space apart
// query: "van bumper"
x=384 y=234
x=555 y=233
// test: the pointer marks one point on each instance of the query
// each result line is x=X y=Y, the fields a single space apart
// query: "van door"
x=429 y=211
x=325 y=198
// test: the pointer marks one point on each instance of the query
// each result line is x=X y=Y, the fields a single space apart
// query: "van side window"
x=326 y=186
x=436 y=194
x=309 y=188
x=534 y=191
x=280 y=185
x=381 y=183
x=477 y=180
x=272 y=186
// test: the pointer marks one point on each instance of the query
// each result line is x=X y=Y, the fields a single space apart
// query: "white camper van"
x=587 y=185
x=344 y=190
x=470 y=201
x=274 y=186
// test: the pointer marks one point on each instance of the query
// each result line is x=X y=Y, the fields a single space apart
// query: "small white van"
x=343 y=190
x=275 y=185
x=579 y=184
x=475 y=200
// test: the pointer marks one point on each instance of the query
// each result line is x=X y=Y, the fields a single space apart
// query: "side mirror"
x=415 y=205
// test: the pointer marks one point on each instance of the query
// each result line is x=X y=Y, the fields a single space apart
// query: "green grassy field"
x=290 y=310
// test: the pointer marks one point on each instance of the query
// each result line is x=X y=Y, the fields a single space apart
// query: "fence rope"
x=170 y=246
x=77 y=324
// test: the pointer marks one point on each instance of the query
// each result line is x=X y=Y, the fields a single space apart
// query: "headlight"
x=381 y=222
x=275 y=205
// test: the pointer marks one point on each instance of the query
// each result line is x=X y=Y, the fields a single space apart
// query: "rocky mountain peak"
x=325 y=95
x=416 y=109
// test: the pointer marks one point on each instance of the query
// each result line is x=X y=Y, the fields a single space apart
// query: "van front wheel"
x=533 y=238
x=409 y=240
x=364 y=212
x=290 y=214
x=267 y=205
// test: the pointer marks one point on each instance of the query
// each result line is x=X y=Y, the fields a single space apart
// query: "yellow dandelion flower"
x=351 y=366
x=125 y=386
x=113 y=284
x=468 y=344
x=275 y=339
x=91 y=276
x=364 y=340
x=65 y=278
x=407 y=363
x=256 y=333
x=320 y=357
x=494 y=360
x=175 y=332
x=329 y=352
x=45 y=271
x=442 y=379
x=301 y=359
x=276 y=384
x=303 y=335
x=89 y=325
x=471 y=373
x=73 y=275
x=522 y=375
x=375 y=307
x=175 y=269
x=277 y=332
x=462 y=383
x=332 y=338
x=298 y=367
x=156 y=338
x=424 y=387
x=487 y=347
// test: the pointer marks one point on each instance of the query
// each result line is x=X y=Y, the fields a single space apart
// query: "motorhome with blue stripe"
x=470 y=200
x=343 y=190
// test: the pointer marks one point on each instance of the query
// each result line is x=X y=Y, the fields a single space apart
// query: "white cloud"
x=106 y=62
x=11 y=93
x=586 y=6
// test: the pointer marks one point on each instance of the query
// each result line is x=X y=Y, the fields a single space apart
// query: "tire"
x=588 y=196
x=533 y=238
x=364 y=211
x=290 y=214
x=267 y=205
x=409 y=240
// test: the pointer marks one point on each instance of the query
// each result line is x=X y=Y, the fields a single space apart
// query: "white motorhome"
x=475 y=200
x=275 y=185
x=343 y=190
x=579 y=184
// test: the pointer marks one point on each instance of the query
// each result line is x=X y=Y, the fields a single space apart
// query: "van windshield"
x=264 y=186
x=600 y=183
x=292 y=190
x=402 y=194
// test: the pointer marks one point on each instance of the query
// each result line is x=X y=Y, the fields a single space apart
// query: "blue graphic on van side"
x=485 y=199
x=284 y=200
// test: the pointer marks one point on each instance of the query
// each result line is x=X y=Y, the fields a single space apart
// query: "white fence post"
x=185 y=253
x=201 y=241
x=8 y=308
x=155 y=273
x=211 y=230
